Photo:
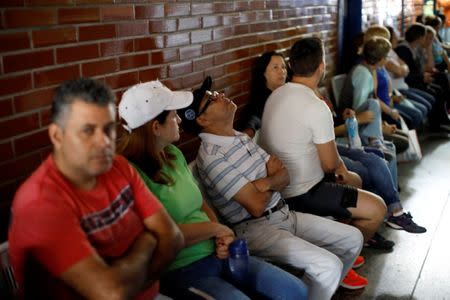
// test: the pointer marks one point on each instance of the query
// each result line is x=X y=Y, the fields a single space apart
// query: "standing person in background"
x=149 y=110
x=84 y=224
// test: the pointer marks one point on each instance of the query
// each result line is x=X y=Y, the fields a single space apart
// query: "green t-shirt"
x=183 y=200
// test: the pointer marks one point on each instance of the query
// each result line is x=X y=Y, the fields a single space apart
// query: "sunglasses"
x=211 y=97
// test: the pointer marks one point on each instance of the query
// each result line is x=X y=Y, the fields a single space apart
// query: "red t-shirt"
x=58 y=225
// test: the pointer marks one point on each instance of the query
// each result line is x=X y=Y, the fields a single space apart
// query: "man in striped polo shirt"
x=243 y=183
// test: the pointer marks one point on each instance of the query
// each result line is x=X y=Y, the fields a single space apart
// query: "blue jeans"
x=374 y=173
x=210 y=275
x=419 y=96
x=372 y=129
x=414 y=115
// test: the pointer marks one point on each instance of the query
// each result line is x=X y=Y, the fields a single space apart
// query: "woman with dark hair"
x=270 y=72
x=200 y=269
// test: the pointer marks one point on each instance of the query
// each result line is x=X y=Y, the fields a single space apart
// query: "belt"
x=280 y=204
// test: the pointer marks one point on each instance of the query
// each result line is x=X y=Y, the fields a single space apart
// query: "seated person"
x=358 y=94
x=398 y=70
x=298 y=127
x=269 y=73
x=388 y=101
x=153 y=127
x=376 y=178
x=419 y=78
x=243 y=183
x=85 y=226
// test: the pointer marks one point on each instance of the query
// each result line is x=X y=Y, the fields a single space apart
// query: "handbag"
x=413 y=153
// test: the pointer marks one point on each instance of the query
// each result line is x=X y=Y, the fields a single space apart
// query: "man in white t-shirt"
x=298 y=127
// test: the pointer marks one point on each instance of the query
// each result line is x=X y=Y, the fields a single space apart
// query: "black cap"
x=189 y=114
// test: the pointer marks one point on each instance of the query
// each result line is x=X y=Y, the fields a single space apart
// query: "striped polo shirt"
x=227 y=163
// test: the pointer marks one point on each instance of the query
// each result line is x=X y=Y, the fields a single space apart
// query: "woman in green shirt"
x=149 y=110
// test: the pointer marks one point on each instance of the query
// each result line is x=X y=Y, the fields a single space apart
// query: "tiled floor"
x=419 y=266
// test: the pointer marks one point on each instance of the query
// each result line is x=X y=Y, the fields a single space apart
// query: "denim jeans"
x=413 y=114
x=372 y=129
x=374 y=173
x=210 y=275
x=419 y=96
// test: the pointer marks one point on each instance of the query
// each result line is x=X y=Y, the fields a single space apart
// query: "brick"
x=221 y=33
x=211 y=21
x=116 y=47
x=204 y=8
x=78 y=15
x=58 y=36
x=215 y=72
x=222 y=7
x=173 y=83
x=180 y=69
x=153 y=74
x=6 y=151
x=45 y=116
x=114 y=13
x=192 y=80
x=12 y=127
x=234 y=43
x=30 y=17
x=33 y=100
x=132 y=29
x=20 y=167
x=13 y=3
x=133 y=61
x=163 y=25
x=201 y=36
x=203 y=63
x=231 y=19
x=190 y=52
x=122 y=80
x=100 y=67
x=149 y=43
x=15 y=84
x=79 y=52
x=178 y=39
x=55 y=76
x=32 y=142
x=213 y=47
x=241 y=29
x=189 y=23
x=14 y=41
x=6 y=108
x=164 y=56
x=177 y=9
x=94 y=1
x=97 y=32
x=30 y=60
x=48 y=2
x=149 y=11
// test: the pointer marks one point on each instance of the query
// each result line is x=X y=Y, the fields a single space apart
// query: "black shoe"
x=379 y=242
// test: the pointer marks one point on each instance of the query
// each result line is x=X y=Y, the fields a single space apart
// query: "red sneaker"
x=358 y=262
x=354 y=281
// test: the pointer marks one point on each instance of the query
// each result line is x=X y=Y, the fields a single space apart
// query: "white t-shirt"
x=398 y=83
x=294 y=120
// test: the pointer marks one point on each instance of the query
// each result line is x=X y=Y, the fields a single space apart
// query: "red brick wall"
x=43 y=42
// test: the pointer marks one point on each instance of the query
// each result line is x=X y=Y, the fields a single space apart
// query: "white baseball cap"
x=143 y=102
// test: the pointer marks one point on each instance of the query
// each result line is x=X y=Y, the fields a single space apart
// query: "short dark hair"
x=84 y=89
x=375 y=49
x=414 y=32
x=306 y=55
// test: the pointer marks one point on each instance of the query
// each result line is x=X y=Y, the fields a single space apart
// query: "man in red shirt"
x=84 y=225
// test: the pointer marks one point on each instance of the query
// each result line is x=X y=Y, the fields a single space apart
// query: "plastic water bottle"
x=238 y=261
x=354 y=141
